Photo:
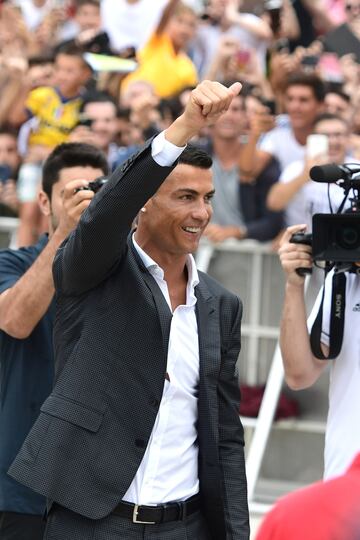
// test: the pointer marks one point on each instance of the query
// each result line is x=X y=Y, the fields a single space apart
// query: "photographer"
x=302 y=368
x=26 y=322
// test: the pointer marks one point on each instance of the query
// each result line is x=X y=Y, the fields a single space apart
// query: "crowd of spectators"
x=297 y=60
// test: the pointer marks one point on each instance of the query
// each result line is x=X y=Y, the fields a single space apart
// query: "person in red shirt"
x=327 y=510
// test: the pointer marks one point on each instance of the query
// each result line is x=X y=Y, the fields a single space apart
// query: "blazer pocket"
x=73 y=412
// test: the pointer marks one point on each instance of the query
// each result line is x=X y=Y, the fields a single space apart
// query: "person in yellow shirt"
x=163 y=61
x=55 y=108
x=54 y=112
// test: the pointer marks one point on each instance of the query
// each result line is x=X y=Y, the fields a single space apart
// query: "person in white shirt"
x=300 y=196
x=130 y=23
x=285 y=141
x=223 y=19
x=302 y=368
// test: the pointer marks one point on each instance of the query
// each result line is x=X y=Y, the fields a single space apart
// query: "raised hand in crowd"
x=8 y=195
x=225 y=59
x=261 y=120
x=144 y=112
x=258 y=27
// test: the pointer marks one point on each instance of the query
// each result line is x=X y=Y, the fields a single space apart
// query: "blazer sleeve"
x=96 y=246
x=231 y=437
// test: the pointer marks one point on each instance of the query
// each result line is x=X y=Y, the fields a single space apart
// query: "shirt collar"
x=155 y=269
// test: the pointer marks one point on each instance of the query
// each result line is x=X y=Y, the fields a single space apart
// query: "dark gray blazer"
x=111 y=339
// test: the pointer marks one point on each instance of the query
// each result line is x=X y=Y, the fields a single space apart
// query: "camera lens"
x=349 y=237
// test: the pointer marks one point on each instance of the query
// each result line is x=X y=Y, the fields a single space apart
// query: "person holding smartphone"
x=298 y=195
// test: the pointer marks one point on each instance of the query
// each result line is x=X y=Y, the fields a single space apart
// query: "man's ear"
x=44 y=203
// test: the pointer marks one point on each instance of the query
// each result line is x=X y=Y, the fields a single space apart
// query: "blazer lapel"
x=209 y=331
x=164 y=312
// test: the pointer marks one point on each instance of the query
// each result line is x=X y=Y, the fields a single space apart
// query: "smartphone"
x=330 y=67
x=281 y=45
x=5 y=173
x=310 y=60
x=85 y=121
x=270 y=104
x=242 y=57
x=317 y=145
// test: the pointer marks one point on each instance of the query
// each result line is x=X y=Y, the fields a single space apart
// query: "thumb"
x=235 y=88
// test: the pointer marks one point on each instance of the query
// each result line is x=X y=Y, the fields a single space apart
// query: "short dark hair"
x=80 y=3
x=323 y=117
x=71 y=155
x=71 y=49
x=93 y=96
x=196 y=157
x=8 y=130
x=339 y=92
x=311 y=80
x=41 y=59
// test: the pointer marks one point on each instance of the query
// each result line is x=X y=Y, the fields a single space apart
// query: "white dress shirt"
x=169 y=468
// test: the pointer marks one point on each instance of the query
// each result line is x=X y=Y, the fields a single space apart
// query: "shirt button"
x=154 y=402
x=140 y=443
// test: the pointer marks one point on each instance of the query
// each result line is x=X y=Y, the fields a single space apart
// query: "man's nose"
x=202 y=211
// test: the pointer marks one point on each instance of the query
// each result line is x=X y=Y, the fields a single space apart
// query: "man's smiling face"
x=176 y=216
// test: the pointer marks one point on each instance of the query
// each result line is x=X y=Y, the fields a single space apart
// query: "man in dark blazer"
x=141 y=437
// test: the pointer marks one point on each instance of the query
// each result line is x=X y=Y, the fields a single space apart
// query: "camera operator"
x=302 y=368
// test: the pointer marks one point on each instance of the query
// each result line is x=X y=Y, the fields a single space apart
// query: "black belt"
x=163 y=513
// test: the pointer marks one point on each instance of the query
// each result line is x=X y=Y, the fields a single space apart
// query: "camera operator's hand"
x=293 y=256
x=73 y=205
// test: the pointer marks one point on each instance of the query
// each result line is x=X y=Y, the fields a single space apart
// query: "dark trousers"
x=14 y=526
x=63 y=524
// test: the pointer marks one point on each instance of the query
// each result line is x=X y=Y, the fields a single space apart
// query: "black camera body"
x=95 y=185
x=85 y=121
x=302 y=238
x=335 y=238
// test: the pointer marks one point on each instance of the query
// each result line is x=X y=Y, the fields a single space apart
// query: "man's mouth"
x=192 y=230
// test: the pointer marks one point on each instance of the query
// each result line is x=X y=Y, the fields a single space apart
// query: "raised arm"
x=97 y=245
x=252 y=160
x=282 y=192
x=256 y=26
x=166 y=15
x=24 y=303
x=302 y=368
